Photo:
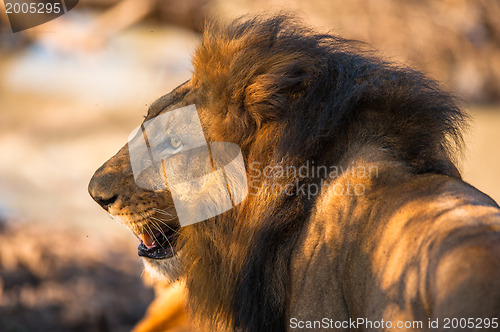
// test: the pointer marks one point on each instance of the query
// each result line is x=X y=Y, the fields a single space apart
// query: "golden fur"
x=410 y=241
x=167 y=312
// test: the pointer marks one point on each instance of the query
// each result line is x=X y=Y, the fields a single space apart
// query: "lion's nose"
x=105 y=203
x=101 y=189
x=106 y=185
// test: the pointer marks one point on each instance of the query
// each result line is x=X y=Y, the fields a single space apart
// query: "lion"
x=356 y=216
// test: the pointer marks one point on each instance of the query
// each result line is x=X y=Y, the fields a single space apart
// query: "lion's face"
x=139 y=199
x=245 y=115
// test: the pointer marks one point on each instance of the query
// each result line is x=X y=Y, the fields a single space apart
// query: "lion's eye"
x=175 y=142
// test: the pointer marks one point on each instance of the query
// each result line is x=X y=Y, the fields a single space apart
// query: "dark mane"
x=287 y=94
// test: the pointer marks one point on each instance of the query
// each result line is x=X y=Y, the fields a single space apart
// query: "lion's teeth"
x=147 y=240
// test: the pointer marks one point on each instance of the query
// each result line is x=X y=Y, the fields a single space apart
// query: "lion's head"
x=287 y=96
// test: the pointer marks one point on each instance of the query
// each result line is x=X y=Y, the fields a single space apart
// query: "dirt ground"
x=61 y=280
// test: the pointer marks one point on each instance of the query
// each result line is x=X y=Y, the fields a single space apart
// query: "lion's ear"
x=268 y=95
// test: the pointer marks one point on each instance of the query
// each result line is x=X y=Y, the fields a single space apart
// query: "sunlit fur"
x=287 y=95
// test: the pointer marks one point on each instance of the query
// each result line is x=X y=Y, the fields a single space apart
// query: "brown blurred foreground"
x=58 y=280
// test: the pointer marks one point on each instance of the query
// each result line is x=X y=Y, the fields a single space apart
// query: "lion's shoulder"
x=427 y=239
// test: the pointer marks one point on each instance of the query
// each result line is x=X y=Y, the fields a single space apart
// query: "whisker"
x=164 y=235
x=155 y=226
x=155 y=223
x=164 y=219
x=170 y=244
x=144 y=216
x=163 y=212
x=164 y=223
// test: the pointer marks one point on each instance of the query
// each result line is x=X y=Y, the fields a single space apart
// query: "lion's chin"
x=164 y=270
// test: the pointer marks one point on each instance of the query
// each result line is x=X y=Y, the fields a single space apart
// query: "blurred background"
x=71 y=91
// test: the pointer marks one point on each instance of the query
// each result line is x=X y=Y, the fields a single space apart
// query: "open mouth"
x=158 y=244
